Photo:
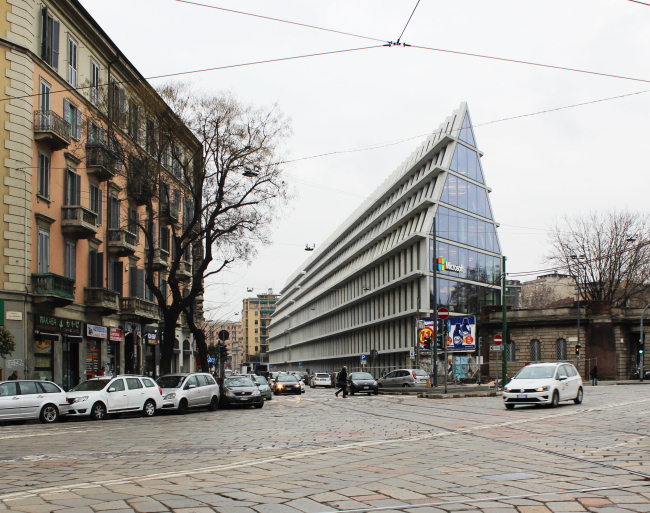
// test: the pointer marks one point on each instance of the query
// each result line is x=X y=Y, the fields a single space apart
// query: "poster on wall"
x=461 y=334
x=426 y=331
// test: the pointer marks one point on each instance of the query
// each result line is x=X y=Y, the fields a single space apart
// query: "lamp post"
x=578 y=346
x=641 y=346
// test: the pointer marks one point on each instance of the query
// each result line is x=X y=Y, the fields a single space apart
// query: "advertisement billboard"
x=461 y=334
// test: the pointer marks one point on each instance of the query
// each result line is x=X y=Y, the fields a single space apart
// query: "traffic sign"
x=364 y=357
x=223 y=335
x=496 y=348
x=412 y=353
x=299 y=364
x=498 y=340
x=443 y=313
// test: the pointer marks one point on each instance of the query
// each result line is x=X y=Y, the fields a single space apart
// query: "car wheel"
x=510 y=406
x=578 y=399
x=149 y=409
x=406 y=385
x=182 y=407
x=261 y=405
x=555 y=400
x=49 y=414
x=299 y=392
x=270 y=397
x=379 y=385
x=376 y=391
x=214 y=403
x=351 y=392
x=98 y=411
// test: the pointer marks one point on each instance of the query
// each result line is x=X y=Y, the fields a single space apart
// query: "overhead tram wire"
x=407 y=23
x=281 y=20
x=180 y=73
x=638 y=2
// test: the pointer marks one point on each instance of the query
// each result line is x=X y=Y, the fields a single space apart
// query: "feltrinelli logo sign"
x=443 y=265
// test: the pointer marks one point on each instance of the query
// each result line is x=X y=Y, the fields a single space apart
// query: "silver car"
x=26 y=399
x=404 y=378
x=189 y=390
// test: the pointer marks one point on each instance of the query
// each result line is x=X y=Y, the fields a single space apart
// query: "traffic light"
x=223 y=352
x=577 y=349
x=427 y=342
x=641 y=346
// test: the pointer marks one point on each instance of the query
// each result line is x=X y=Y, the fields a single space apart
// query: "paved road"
x=316 y=453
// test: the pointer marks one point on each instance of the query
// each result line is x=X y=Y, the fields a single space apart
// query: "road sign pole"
x=434 y=350
x=444 y=341
x=506 y=342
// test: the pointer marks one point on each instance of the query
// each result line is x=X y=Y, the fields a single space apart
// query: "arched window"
x=512 y=351
x=535 y=350
x=560 y=349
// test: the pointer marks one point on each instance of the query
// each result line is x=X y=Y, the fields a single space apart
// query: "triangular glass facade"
x=466 y=131
x=463 y=194
x=467 y=163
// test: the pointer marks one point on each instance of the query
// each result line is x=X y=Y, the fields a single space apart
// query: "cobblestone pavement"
x=317 y=453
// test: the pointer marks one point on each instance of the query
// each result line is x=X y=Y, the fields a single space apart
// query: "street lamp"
x=641 y=346
x=578 y=258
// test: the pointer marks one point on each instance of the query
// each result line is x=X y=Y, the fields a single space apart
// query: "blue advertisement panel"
x=461 y=334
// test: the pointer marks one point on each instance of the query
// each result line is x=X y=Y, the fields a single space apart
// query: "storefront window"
x=461 y=297
x=93 y=348
x=465 y=263
x=43 y=360
x=112 y=356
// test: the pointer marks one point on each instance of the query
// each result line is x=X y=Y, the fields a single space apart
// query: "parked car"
x=404 y=378
x=362 y=383
x=321 y=379
x=287 y=384
x=240 y=390
x=265 y=389
x=98 y=397
x=182 y=391
x=26 y=400
x=544 y=383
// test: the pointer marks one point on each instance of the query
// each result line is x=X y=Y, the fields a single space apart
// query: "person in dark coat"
x=14 y=376
x=594 y=375
x=342 y=383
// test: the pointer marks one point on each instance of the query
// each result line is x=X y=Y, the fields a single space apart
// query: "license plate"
x=366 y=388
x=522 y=396
x=245 y=398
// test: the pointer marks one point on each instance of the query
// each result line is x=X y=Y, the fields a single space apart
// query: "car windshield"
x=536 y=372
x=361 y=375
x=419 y=372
x=261 y=380
x=323 y=376
x=170 y=381
x=239 y=382
x=287 y=379
x=91 y=386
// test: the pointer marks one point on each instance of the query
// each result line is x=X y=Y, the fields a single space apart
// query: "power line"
x=637 y=2
x=407 y=23
x=529 y=63
x=281 y=20
x=168 y=75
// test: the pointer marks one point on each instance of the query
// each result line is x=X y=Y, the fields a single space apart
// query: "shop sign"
x=115 y=335
x=131 y=327
x=461 y=334
x=57 y=325
x=96 y=331
x=152 y=338
x=443 y=265
x=14 y=316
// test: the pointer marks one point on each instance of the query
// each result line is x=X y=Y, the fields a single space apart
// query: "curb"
x=459 y=396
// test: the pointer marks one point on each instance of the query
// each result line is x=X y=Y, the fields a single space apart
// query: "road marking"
x=301 y=454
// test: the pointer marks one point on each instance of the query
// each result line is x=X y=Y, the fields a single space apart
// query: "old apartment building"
x=87 y=144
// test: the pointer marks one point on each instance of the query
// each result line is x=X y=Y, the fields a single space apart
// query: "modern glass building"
x=362 y=292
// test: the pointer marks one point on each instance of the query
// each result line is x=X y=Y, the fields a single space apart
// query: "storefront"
x=132 y=352
x=95 y=337
x=152 y=354
x=115 y=339
x=55 y=336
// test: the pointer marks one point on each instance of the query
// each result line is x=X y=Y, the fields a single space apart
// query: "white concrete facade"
x=370 y=281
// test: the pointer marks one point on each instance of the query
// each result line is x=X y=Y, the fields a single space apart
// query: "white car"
x=321 y=379
x=115 y=395
x=189 y=390
x=31 y=399
x=544 y=383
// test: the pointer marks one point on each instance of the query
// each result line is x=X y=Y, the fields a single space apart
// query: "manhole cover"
x=510 y=476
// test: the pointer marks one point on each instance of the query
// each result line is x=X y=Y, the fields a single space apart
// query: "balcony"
x=78 y=222
x=146 y=311
x=140 y=189
x=160 y=257
x=184 y=271
x=121 y=242
x=105 y=300
x=52 y=288
x=51 y=128
x=169 y=213
x=100 y=162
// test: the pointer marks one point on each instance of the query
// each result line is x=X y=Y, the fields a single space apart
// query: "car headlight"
x=256 y=392
x=80 y=399
x=508 y=389
x=278 y=385
x=542 y=389
x=170 y=396
x=229 y=393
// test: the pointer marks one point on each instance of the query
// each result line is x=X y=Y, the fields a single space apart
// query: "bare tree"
x=607 y=254
x=539 y=296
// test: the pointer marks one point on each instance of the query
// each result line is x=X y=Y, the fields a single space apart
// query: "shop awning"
x=42 y=335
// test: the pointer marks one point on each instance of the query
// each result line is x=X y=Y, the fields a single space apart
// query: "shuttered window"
x=44 y=175
x=72 y=115
x=72 y=62
x=43 y=252
x=50 y=29
x=117 y=276
x=96 y=200
x=94 y=83
x=73 y=188
x=70 y=259
x=96 y=268
x=114 y=222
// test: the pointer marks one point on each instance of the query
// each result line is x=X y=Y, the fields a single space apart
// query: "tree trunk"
x=199 y=338
x=167 y=342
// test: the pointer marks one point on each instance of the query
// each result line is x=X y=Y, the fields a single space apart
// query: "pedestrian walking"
x=594 y=376
x=14 y=376
x=102 y=372
x=342 y=383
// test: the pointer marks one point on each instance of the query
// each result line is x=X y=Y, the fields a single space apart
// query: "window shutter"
x=66 y=110
x=100 y=201
x=44 y=34
x=55 y=45
x=100 y=270
x=155 y=234
x=46 y=252
x=92 y=267
x=77 y=191
x=140 y=290
x=102 y=136
x=120 y=277
x=137 y=228
x=79 y=121
x=133 y=281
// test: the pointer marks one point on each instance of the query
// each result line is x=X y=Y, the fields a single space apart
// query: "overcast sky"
x=540 y=167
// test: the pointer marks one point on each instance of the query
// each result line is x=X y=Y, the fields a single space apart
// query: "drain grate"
x=510 y=476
